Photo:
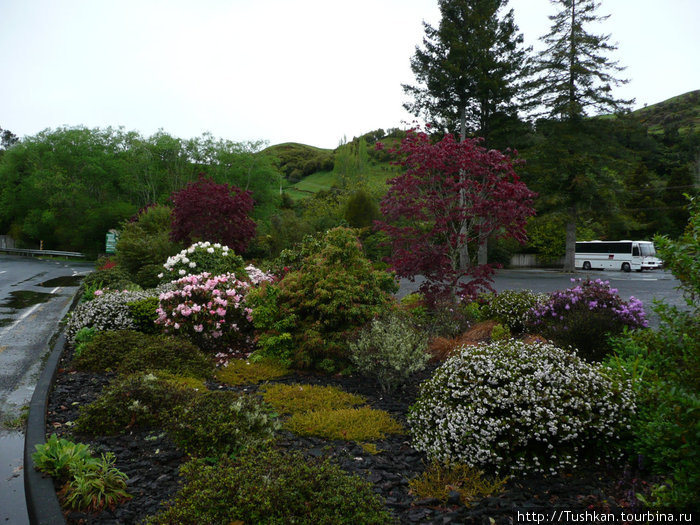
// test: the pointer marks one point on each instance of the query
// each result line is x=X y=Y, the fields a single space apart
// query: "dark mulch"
x=152 y=461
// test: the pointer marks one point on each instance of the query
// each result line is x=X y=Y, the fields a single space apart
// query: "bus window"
x=635 y=251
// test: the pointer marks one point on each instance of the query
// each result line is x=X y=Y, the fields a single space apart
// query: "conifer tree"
x=470 y=69
x=574 y=79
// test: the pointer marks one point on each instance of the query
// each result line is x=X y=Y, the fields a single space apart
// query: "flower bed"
x=152 y=460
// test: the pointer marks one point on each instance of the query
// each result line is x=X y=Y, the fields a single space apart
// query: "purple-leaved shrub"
x=584 y=316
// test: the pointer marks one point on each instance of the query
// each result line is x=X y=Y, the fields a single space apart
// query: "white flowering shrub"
x=510 y=307
x=389 y=350
x=108 y=311
x=520 y=408
x=203 y=257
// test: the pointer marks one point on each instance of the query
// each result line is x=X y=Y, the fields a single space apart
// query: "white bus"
x=617 y=255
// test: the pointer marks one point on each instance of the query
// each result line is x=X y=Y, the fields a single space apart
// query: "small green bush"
x=127 y=351
x=509 y=406
x=510 y=307
x=82 y=337
x=390 y=350
x=293 y=399
x=664 y=366
x=89 y=483
x=439 y=479
x=349 y=424
x=97 y=486
x=243 y=372
x=135 y=401
x=111 y=278
x=335 y=292
x=143 y=313
x=59 y=458
x=215 y=423
x=273 y=488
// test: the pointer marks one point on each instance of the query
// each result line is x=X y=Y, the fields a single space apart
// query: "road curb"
x=42 y=503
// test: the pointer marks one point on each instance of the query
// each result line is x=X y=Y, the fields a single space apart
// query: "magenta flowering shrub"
x=210 y=310
x=584 y=316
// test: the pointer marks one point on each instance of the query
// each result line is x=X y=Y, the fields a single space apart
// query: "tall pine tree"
x=469 y=70
x=574 y=79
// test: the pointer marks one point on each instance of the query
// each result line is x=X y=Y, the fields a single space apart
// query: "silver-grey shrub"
x=513 y=407
x=510 y=307
x=109 y=311
x=389 y=350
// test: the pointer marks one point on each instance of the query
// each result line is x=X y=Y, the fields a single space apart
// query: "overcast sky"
x=309 y=71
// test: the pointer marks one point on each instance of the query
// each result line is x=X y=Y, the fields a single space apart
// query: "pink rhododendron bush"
x=512 y=407
x=210 y=310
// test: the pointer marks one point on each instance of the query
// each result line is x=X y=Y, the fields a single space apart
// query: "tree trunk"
x=569 y=258
x=483 y=257
x=464 y=249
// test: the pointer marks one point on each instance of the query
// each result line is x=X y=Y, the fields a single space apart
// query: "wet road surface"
x=34 y=295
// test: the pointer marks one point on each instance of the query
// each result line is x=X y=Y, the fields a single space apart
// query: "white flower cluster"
x=184 y=258
x=515 y=407
x=109 y=311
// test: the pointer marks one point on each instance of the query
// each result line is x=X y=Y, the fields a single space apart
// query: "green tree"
x=574 y=77
x=470 y=70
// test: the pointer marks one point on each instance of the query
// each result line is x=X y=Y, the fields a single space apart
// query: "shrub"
x=510 y=307
x=203 y=257
x=664 y=366
x=82 y=337
x=144 y=244
x=111 y=278
x=206 y=210
x=292 y=399
x=584 y=316
x=126 y=352
x=500 y=333
x=215 y=423
x=210 y=310
x=60 y=457
x=335 y=293
x=143 y=313
x=135 y=401
x=390 y=350
x=109 y=311
x=521 y=408
x=348 y=424
x=100 y=485
x=273 y=488
x=439 y=479
x=89 y=483
x=244 y=372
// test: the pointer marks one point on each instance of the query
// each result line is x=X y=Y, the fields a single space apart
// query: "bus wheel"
x=626 y=267
x=586 y=265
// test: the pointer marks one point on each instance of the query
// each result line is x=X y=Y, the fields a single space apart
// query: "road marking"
x=21 y=318
x=54 y=290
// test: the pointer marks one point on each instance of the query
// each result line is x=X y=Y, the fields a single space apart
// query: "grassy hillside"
x=681 y=112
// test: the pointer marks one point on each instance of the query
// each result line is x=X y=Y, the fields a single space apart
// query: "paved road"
x=34 y=296
x=646 y=286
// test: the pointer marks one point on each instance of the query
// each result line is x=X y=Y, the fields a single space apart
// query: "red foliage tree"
x=451 y=194
x=206 y=211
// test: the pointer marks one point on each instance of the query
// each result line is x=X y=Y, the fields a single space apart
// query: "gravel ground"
x=152 y=461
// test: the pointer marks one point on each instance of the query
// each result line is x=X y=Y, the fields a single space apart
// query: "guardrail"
x=34 y=253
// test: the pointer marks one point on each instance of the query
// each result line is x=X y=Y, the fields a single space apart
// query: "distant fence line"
x=528 y=260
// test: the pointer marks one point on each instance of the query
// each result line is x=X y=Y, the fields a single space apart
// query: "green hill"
x=681 y=113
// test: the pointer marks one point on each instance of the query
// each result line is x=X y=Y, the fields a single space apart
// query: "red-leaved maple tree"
x=451 y=196
x=206 y=211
